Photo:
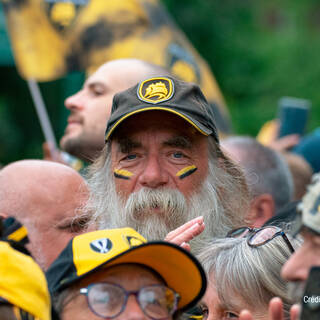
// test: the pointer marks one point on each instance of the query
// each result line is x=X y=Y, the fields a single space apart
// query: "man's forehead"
x=94 y=80
x=309 y=233
x=178 y=141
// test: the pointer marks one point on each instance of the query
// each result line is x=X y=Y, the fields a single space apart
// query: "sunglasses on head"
x=259 y=236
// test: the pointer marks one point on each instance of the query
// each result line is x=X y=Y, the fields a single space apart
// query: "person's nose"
x=297 y=267
x=132 y=310
x=153 y=175
x=75 y=102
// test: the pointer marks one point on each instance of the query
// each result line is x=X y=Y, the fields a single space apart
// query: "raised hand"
x=182 y=235
x=275 y=311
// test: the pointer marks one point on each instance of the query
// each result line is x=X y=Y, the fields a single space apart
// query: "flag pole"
x=42 y=114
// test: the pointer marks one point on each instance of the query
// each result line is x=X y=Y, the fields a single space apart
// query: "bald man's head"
x=91 y=106
x=46 y=197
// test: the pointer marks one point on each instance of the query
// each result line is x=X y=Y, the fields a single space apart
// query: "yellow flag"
x=53 y=37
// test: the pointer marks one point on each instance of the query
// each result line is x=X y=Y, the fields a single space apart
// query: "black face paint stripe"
x=119 y=176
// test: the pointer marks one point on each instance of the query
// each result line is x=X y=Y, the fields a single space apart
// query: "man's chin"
x=70 y=141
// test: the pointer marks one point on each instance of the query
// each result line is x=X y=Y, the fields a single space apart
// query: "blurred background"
x=258 y=52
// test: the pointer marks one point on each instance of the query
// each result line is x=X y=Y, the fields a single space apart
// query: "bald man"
x=47 y=198
x=90 y=107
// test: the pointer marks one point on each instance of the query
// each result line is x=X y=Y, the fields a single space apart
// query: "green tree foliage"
x=259 y=51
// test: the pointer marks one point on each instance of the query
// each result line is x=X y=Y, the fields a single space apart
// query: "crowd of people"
x=166 y=221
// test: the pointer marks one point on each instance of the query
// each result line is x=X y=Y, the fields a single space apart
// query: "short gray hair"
x=265 y=169
x=253 y=273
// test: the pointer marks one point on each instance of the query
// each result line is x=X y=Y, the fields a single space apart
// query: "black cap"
x=164 y=94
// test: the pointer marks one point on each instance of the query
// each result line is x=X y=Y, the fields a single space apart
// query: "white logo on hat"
x=101 y=245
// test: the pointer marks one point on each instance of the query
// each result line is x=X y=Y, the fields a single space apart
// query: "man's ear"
x=3 y=215
x=262 y=208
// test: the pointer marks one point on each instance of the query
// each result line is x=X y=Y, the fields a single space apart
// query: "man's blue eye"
x=131 y=156
x=178 y=155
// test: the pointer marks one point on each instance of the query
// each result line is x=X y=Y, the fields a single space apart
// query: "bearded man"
x=162 y=164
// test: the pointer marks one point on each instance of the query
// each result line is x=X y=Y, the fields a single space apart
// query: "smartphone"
x=293 y=115
x=311 y=297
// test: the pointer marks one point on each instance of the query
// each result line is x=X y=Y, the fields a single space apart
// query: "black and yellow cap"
x=92 y=251
x=23 y=284
x=181 y=98
x=15 y=231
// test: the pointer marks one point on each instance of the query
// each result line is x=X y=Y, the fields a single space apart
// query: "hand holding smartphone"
x=293 y=115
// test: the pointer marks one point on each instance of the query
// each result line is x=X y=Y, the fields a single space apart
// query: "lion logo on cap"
x=155 y=90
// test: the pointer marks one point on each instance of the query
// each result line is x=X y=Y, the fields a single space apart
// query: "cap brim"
x=203 y=130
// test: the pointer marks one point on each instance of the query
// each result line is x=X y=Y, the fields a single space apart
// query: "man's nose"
x=153 y=175
x=75 y=101
x=132 y=310
x=296 y=268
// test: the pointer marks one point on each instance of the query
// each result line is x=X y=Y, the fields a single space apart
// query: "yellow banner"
x=53 y=37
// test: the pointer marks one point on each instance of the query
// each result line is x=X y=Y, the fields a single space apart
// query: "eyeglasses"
x=108 y=300
x=259 y=236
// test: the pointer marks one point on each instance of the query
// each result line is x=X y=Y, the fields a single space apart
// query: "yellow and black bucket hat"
x=183 y=99
x=95 y=250
x=23 y=283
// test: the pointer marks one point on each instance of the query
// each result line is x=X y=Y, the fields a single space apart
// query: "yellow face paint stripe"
x=18 y=234
x=185 y=172
x=122 y=174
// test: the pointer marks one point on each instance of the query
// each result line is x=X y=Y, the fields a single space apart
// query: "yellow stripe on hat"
x=19 y=234
x=196 y=317
x=186 y=171
x=153 y=108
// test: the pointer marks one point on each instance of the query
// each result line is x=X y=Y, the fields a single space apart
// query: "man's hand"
x=275 y=311
x=268 y=136
x=182 y=235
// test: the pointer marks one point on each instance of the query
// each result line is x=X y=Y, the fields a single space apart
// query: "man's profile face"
x=53 y=221
x=89 y=110
x=158 y=150
x=297 y=268
x=130 y=277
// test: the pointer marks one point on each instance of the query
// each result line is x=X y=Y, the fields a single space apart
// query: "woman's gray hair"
x=253 y=273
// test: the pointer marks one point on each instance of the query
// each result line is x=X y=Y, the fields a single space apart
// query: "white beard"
x=156 y=212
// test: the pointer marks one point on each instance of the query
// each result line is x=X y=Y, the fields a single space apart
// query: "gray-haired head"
x=265 y=169
x=252 y=273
